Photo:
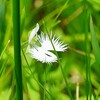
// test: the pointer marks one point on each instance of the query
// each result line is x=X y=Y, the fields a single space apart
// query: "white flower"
x=43 y=52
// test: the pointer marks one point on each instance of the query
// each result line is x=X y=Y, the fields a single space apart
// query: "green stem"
x=77 y=91
x=17 y=53
x=33 y=76
x=44 y=96
x=64 y=76
x=87 y=58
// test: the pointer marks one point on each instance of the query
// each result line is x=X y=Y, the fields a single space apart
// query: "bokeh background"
x=70 y=21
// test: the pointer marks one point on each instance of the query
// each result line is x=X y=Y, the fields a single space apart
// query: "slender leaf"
x=17 y=54
x=95 y=44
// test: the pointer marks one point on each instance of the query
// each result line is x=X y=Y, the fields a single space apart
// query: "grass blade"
x=87 y=50
x=4 y=49
x=63 y=7
x=95 y=44
x=17 y=54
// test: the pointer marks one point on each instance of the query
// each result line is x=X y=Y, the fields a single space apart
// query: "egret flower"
x=43 y=52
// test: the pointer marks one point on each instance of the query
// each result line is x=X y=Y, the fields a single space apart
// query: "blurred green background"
x=70 y=21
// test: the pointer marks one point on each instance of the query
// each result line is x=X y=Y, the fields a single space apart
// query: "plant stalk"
x=17 y=51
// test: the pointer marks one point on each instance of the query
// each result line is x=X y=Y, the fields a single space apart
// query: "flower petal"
x=47 y=45
x=33 y=33
x=42 y=55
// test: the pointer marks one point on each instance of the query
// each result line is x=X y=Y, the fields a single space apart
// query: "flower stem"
x=33 y=76
x=44 y=96
x=77 y=91
x=67 y=87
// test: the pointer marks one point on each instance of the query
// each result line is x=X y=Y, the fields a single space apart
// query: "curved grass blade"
x=87 y=50
x=4 y=49
x=95 y=44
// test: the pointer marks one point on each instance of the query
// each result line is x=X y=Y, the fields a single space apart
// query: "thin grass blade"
x=95 y=44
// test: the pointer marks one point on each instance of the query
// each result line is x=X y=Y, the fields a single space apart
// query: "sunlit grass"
x=75 y=75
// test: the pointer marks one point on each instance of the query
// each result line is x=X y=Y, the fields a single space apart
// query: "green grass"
x=77 y=22
x=17 y=49
x=95 y=44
